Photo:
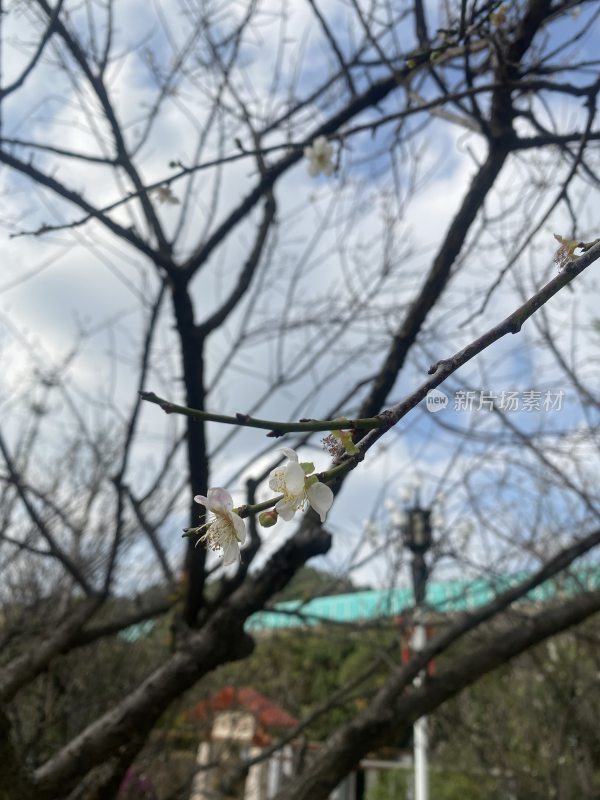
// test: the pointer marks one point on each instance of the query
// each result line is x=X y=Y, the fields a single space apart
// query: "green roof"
x=442 y=597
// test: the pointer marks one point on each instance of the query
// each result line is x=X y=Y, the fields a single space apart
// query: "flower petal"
x=285 y=510
x=239 y=526
x=290 y=454
x=277 y=478
x=200 y=498
x=219 y=500
x=294 y=479
x=231 y=551
x=320 y=497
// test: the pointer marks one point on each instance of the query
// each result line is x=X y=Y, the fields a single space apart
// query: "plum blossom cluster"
x=298 y=488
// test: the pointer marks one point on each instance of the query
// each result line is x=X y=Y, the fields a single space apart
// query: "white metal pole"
x=420 y=729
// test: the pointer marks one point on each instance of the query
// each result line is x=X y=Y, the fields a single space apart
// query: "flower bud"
x=268 y=518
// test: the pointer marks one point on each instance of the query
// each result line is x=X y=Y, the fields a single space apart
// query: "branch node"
x=439 y=365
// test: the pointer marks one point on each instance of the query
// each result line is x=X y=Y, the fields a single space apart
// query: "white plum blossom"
x=437 y=519
x=398 y=518
x=411 y=491
x=164 y=194
x=462 y=533
x=226 y=531
x=319 y=155
x=371 y=531
x=298 y=491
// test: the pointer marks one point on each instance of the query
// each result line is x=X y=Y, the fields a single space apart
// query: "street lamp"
x=418 y=538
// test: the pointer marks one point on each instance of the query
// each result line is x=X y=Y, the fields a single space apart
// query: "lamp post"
x=418 y=538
